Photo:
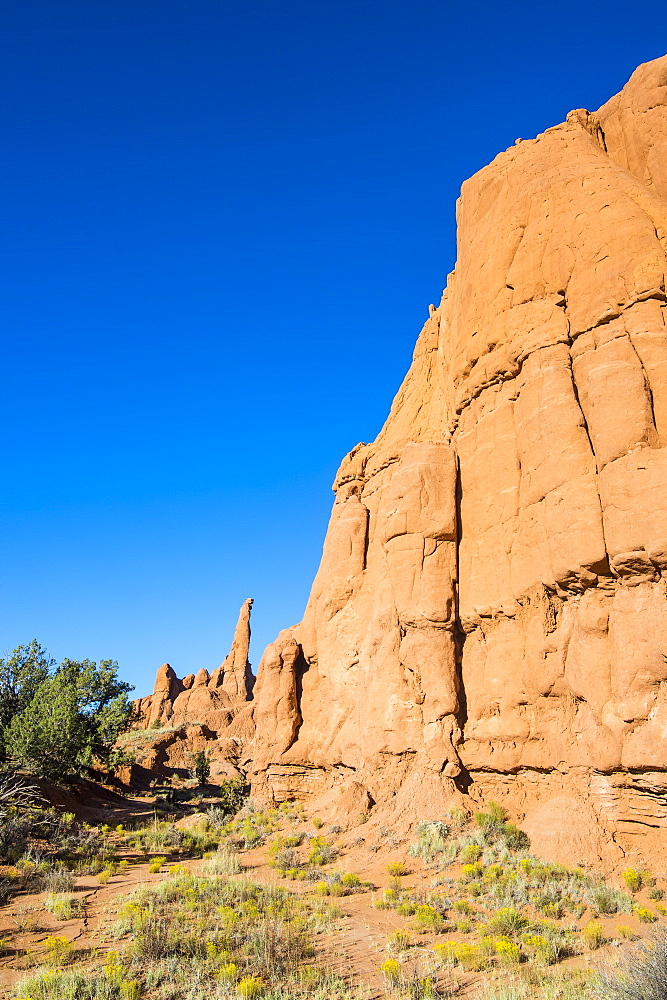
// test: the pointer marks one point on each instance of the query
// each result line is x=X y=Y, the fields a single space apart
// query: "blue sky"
x=223 y=224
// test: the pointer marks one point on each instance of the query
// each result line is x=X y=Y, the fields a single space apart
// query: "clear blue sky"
x=223 y=223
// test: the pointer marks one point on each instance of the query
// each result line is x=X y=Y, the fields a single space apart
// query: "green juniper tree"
x=48 y=738
x=56 y=723
x=201 y=768
x=20 y=676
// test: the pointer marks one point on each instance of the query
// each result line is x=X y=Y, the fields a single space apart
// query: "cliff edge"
x=489 y=618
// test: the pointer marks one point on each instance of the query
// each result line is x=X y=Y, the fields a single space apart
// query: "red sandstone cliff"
x=490 y=613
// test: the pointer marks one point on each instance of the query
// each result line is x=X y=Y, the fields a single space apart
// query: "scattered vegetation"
x=207 y=930
x=166 y=839
x=487 y=906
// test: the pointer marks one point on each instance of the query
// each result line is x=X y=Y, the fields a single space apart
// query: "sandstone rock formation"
x=490 y=613
x=199 y=698
x=200 y=712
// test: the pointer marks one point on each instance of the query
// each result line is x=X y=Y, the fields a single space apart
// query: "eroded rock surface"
x=490 y=612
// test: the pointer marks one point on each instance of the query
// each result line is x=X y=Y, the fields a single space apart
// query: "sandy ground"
x=355 y=949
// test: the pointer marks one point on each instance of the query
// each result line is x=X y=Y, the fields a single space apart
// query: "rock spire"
x=201 y=699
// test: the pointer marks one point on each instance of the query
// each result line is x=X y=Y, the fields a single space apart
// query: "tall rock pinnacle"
x=212 y=700
x=236 y=677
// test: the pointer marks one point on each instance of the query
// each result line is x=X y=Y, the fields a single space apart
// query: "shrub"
x=625 y=932
x=606 y=899
x=232 y=794
x=460 y=953
x=546 y=949
x=593 y=935
x=399 y=940
x=493 y=872
x=58 y=879
x=201 y=768
x=397 y=868
x=381 y=904
x=515 y=839
x=507 y=922
x=222 y=862
x=228 y=973
x=431 y=840
x=156 y=864
x=318 y=823
x=632 y=879
x=420 y=988
x=351 y=880
x=293 y=840
x=391 y=970
x=470 y=854
x=508 y=952
x=286 y=859
x=58 y=950
x=63 y=907
x=645 y=916
x=250 y=987
x=494 y=827
x=640 y=975
x=321 y=852
x=427 y=917
x=14 y=837
x=470 y=872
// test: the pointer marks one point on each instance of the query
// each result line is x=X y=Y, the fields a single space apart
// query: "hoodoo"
x=199 y=698
x=490 y=614
x=201 y=712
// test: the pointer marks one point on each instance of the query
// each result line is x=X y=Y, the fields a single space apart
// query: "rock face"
x=490 y=613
